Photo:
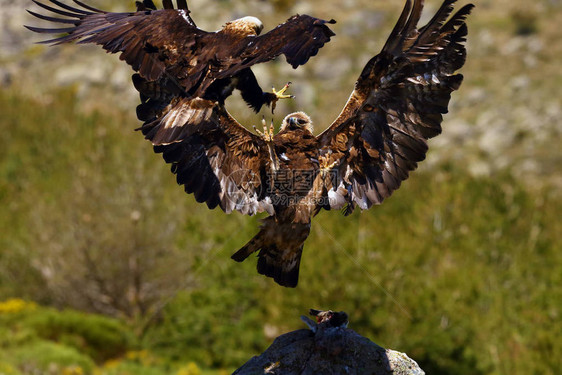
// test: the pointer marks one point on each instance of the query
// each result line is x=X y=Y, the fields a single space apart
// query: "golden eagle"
x=175 y=58
x=359 y=160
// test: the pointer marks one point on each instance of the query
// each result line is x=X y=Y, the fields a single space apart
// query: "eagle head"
x=297 y=120
x=245 y=26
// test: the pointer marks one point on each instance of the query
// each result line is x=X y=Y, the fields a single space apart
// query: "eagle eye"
x=301 y=121
x=368 y=108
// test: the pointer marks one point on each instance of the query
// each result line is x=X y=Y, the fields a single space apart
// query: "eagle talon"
x=267 y=134
x=280 y=95
x=326 y=169
x=324 y=166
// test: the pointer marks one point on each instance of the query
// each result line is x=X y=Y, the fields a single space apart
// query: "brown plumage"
x=171 y=54
x=379 y=137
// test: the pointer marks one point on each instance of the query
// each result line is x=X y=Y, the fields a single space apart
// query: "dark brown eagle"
x=174 y=58
x=359 y=160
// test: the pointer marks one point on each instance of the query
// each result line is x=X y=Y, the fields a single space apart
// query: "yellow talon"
x=271 y=129
x=325 y=167
x=267 y=134
x=280 y=95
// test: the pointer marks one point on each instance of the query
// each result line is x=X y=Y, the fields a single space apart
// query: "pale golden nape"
x=297 y=120
x=245 y=26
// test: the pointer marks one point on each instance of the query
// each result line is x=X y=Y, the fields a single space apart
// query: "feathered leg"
x=253 y=94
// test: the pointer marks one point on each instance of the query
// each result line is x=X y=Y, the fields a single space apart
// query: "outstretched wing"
x=151 y=41
x=299 y=38
x=397 y=105
x=166 y=42
x=212 y=155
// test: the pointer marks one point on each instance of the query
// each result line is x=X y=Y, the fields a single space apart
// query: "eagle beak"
x=297 y=122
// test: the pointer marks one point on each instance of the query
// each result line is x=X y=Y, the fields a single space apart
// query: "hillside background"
x=107 y=267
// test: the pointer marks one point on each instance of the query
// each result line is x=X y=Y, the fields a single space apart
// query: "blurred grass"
x=462 y=273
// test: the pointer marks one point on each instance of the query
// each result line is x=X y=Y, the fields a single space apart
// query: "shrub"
x=99 y=337
x=51 y=358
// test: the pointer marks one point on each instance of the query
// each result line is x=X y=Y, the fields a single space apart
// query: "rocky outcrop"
x=328 y=347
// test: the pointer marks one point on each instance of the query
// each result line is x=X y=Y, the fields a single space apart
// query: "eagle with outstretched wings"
x=359 y=160
x=174 y=58
x=379 y=137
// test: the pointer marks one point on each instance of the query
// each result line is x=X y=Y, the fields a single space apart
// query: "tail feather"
x=252 y=246
x=285 y=272
x=280 y=248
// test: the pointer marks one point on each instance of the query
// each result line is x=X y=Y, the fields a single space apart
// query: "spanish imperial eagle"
x=174 y=58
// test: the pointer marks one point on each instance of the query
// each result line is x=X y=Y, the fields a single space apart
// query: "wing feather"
x=182 y=4
x=167 y=4
x=396 y=35
x=76 y=13
x=212 y=155
x=145 y=5
x=397 y=105
x=151 y=41
x=165 y=44
x=299 y=38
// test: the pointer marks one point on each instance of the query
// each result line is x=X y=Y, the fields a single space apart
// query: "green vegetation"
x=39 y=340
x=108 y=268
x=461 y=273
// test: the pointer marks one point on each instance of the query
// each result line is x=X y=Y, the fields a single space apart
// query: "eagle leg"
x=280 y=95
x=267 y=135
x=325 y=168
